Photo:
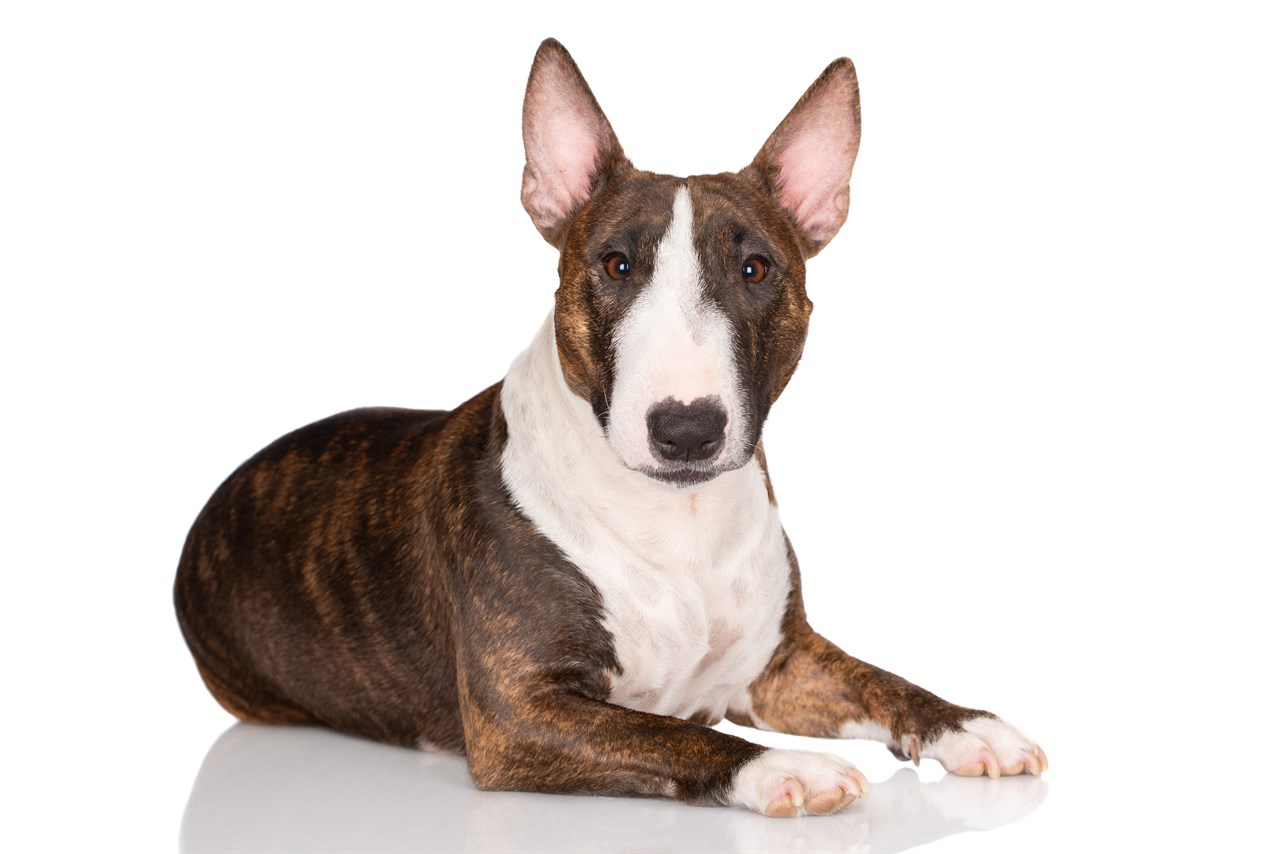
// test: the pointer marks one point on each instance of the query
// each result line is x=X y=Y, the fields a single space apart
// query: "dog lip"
x=680 y=474
x=683 y=475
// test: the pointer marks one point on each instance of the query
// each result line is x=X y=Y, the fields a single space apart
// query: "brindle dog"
x=572 y=575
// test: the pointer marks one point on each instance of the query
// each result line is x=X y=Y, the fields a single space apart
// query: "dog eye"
x=618 y=266
x=754 y=269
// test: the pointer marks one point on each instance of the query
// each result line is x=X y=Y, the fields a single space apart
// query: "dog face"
x=681 y=312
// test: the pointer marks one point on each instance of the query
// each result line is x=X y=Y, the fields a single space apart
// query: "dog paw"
x=987 y=746
x=788 y=783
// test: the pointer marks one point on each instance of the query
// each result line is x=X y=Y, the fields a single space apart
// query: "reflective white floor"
x=302 y=789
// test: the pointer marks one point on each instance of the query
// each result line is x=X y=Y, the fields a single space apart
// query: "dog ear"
x=569 y=146
x=808 y=160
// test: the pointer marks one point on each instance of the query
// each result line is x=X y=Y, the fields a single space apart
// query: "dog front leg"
x=812 y=687
x=558 y=740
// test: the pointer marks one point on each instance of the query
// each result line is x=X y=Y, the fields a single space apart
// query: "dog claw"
x=787 y=804
x=830 y=802
x=861 y=786
x=986 y=765
x=910 y=748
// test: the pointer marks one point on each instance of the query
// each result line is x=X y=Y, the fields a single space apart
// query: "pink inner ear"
x=814 y=156
x=570 y=145
x=562 y=141
x=815 y=183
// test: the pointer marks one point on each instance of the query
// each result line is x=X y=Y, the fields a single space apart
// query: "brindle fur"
x=370 y=572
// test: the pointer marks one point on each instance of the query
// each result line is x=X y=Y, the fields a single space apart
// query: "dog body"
x=572 y=574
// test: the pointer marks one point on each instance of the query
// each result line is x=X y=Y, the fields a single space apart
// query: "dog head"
x=681 y=312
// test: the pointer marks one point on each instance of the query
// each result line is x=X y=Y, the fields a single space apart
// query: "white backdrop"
x=1030 y=460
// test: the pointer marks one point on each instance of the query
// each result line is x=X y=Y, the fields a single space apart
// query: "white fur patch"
x=694 y=582
x=778 y=780
x=865 y=729
x=674 y=343
x=868 y=729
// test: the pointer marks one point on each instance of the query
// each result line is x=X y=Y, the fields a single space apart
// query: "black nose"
x=690 y=432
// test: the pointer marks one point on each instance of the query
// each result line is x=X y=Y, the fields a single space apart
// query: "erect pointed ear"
x=569 y=146
x=808 y=160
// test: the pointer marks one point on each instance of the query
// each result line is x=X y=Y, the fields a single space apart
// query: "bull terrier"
x=573 y=575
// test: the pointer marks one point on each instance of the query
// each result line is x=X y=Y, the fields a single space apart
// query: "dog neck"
x=562 y=473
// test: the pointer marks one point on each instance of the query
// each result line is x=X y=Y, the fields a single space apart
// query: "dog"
x=570 y=577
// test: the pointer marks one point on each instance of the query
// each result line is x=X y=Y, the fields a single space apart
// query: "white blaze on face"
x=673 y=343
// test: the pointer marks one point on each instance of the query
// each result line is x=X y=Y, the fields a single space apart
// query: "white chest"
x=691 y=637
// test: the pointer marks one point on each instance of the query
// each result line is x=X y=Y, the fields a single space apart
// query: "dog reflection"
x=309 y=789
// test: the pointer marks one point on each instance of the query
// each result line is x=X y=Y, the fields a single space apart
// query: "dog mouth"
x=684 y=475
